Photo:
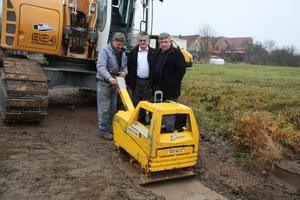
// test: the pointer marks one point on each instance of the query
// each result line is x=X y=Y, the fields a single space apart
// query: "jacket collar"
x=112 y=49
x=171 y=50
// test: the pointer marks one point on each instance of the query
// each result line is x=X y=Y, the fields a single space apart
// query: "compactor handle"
x=158 y=96
x=124 y=94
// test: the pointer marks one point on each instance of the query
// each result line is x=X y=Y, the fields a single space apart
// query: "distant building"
x=227 y=48
x=232 y=45
x=193 y=43
x=181 y=42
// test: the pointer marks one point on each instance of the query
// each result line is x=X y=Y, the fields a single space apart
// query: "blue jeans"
x=107 y=104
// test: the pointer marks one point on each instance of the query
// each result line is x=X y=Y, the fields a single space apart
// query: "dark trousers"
x=142 y=91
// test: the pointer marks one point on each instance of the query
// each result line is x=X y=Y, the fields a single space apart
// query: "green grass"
x=221 y=95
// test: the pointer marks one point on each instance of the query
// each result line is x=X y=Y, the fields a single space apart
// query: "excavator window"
x=102 y=15
x=116 y=17
x=122 y=13
x=174 y=123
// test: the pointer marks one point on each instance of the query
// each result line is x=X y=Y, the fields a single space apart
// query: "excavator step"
x=23 y=91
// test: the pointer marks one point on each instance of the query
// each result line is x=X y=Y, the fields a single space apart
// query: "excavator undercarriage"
x=23 y=91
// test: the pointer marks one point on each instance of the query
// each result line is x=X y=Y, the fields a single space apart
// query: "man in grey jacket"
x=112 y=62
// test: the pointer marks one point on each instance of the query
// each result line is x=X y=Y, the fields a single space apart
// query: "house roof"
x=189 y=39
x=239 y=43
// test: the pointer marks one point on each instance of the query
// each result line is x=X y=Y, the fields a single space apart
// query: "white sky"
x=276 y=20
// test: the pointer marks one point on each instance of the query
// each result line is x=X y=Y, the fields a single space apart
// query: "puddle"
x=288 y=172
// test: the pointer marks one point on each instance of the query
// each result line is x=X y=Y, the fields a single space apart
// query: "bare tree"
x=269 y=45
x=207 y=36
x=207 y=31
x=256 y=53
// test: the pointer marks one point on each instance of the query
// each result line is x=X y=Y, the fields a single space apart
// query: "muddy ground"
x=64 y=158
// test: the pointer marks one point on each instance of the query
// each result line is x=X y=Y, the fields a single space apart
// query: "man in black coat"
x=169 y=69
x=140 y=61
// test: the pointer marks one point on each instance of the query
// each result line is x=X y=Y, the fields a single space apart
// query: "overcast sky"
x=277 y=20
x=262 y=20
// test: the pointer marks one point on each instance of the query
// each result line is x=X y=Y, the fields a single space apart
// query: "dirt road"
x=64 y=158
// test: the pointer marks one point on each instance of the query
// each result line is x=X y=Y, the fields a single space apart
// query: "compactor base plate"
x=122 y=161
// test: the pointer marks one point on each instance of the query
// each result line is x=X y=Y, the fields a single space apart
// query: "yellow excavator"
x=50 y=43
x=160 y=137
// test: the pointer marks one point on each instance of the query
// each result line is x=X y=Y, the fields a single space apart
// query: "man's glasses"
x=142 y=40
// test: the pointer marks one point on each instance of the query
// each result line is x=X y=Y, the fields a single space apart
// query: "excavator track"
x=23 y=91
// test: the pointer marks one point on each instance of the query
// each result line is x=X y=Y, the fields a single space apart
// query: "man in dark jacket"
x=140 y=61
x=169 y=69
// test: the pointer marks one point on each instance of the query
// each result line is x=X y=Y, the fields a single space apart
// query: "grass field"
x=252 y=105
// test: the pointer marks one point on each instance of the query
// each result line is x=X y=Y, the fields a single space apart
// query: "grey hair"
x=143 y=34
x=164 y=35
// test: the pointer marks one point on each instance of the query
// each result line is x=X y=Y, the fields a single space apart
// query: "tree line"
x=267 y=54
x=258 y=53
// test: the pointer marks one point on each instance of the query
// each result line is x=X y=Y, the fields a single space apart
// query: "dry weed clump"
x=293 y=116
x=263 y=136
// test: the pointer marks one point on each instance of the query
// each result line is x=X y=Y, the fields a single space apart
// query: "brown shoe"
x=107 y=136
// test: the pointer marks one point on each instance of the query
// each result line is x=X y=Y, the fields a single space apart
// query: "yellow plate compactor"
x=160 y=137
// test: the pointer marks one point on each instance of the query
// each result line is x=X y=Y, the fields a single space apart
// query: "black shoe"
x=107 y=136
